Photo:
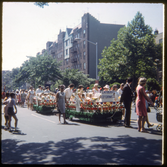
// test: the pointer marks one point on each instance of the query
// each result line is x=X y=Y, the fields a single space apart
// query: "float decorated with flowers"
x=44 y=102
x=102 y=107
x=87 y=106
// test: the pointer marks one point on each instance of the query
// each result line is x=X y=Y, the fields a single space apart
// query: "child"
x=11 y=103
x=5 y=111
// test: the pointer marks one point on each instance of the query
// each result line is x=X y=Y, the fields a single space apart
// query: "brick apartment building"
x=76 y=46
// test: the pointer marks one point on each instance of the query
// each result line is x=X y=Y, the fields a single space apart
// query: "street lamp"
x=96 y=44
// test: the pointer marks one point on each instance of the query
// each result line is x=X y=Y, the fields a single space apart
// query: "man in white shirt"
x=47 y=90
x=120 y=90
x=68 y=91
x=38 y=93
x=39 y=90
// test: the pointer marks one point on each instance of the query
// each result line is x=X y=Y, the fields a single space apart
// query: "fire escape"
x=74 y=57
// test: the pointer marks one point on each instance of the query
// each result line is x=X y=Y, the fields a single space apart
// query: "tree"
x=76 y=77
x=39 y=70
x=132 y=54
x=8 y=78
x=41 y=4
x=152 y=84
x=14 y=73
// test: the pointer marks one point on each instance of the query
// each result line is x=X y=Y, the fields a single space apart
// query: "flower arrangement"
x=46 y=101
x=71 y=104
x=101 y=106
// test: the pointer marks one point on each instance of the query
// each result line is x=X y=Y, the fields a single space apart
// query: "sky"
x=26 y=27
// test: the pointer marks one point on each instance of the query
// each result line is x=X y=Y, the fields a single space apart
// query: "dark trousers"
x=127 y=113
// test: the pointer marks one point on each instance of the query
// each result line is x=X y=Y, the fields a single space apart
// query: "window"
x=66 y=51
x=83 y=44
x=67 y=43
x=59 y=55
x=83 y=33
x=84 y=55
x=84 y=66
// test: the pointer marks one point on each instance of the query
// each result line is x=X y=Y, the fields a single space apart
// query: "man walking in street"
x=126 y=98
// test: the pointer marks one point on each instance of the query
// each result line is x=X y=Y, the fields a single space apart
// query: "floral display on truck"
x=45 y=102
x=91 y=104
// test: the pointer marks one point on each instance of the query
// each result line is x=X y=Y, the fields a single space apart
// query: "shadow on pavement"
x=14 y=133
x=124 y=150
x=101 y=124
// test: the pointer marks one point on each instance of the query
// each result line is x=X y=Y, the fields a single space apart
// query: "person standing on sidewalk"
x=126 y=98
x=141 y=104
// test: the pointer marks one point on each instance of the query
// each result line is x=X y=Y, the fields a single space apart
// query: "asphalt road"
x=44 y=141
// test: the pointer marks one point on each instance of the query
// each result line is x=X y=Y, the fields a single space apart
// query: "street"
x=44 y=141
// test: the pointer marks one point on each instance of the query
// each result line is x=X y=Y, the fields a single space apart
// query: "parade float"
x=102 y=108
x=44 y=103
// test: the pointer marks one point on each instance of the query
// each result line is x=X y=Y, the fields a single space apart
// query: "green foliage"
x=132 y=54
x=76 y=77
x=8 y=78
x=152 y=84
x=91 y=86
x=41 y=4
x=43 y=68
x=39 y=70
x=115 y=83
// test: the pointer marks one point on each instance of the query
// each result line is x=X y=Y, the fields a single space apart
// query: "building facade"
x=158 y=40
x=76 y=47
x=159 y=37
